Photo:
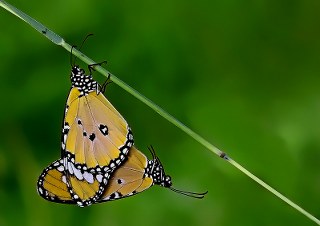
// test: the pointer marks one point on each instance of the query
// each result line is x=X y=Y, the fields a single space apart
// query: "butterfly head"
x=84 y=83
x=158 y=175
x=156 y=172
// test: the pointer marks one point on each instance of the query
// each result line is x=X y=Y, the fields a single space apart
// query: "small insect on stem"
x=224 y=156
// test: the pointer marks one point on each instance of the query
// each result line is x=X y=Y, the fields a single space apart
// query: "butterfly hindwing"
x=85 y=186
x=52 y=184
x=57 y=184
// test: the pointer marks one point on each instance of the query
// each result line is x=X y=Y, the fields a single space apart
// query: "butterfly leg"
x=102 y=88
x=107 y=82
x=91 y=66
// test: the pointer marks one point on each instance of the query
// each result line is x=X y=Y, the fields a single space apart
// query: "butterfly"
x=135 y=175
x=95 y=139
x=95 y=136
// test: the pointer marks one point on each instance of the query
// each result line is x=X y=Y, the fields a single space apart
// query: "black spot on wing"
x=104 y=129
x=92 y=136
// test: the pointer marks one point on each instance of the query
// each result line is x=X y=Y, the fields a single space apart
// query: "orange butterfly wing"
x=129 y=179
x=52 y=184
x=56 y=184
x=96 y=135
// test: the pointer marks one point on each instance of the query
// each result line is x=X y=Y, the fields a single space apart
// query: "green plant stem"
x=56 y=39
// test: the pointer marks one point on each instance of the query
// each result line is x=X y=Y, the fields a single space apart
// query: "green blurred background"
x=243 y=74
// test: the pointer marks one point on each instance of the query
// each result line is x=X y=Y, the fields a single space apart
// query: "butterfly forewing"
x=71 y=186
x=96 y=134
x=95 y=137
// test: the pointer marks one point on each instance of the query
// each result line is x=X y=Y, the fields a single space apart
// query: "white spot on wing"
x=64 y=179
x=77 y=173
x=99 y=178
x=88 y=177
x=70 y=167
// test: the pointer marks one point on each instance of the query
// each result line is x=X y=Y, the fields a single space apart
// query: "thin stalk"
x=56 y=39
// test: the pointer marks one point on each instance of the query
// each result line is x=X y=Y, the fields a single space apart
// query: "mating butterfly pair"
x=98 y=160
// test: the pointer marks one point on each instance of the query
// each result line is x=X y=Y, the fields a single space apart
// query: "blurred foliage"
x=244 y=74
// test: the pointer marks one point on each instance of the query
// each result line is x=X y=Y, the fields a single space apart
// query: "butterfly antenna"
x=74 y=46
x=85 y=39
x=186 y=193
x=189 y=193
x=154 y=155
x=153 y=152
